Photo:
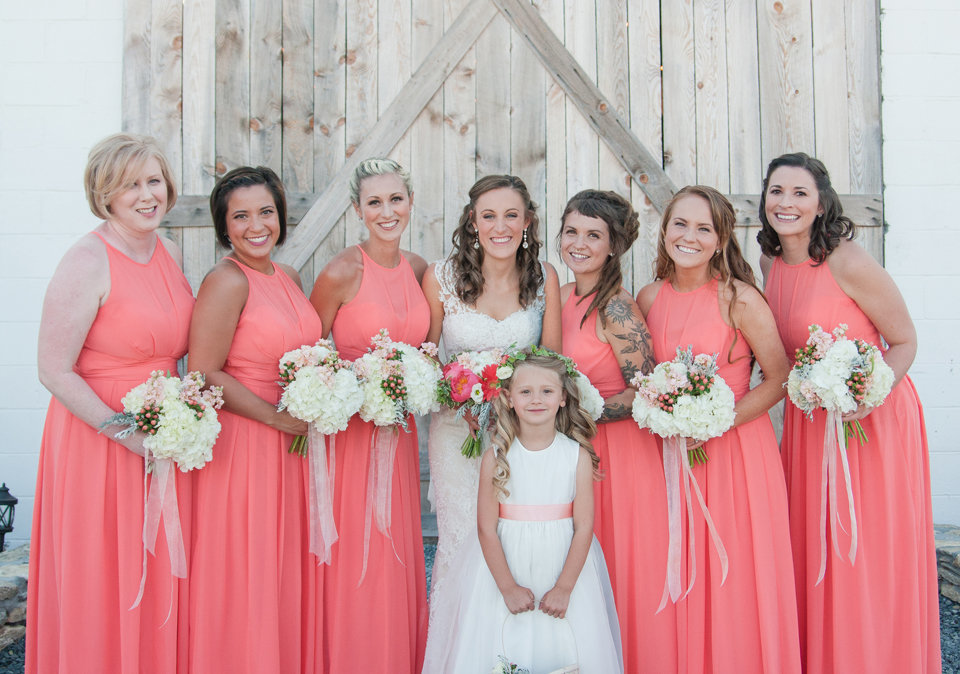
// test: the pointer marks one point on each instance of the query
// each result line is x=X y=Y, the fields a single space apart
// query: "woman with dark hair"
x=605 y=334
x=374 y=589
x=491 y=291
x=118 y=307
x=705 y=298
x=878 y=612
x=251 y=571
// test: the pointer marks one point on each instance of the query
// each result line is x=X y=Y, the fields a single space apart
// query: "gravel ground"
x=11 y=658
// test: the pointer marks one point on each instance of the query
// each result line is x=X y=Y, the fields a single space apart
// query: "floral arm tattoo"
x=635 y=339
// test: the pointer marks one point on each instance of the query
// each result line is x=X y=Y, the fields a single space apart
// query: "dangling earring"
x=476 y=242
x=525 y=243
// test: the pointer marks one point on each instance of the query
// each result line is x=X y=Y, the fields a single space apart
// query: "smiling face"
x=384 y=206
x=142 y=202
x=536 y=394
x=690 y=237
x=253 y=225
x=584 y=245
x=792 y=201
x=500 y=218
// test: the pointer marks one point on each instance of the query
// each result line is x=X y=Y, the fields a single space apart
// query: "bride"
x=491 y=291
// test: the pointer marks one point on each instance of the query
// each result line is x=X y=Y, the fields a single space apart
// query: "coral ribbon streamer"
x=383 y=446
x=676 y=467
x=834 y=443
x=160 y=502
x=323 y=466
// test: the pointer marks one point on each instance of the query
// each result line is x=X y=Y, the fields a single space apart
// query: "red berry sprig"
x=148 y=419
x=394 y=387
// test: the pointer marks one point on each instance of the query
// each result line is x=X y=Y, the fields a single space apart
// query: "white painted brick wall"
x=920 y=60
x=60 y=64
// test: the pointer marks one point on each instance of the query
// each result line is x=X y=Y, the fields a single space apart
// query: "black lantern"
x=7 y=504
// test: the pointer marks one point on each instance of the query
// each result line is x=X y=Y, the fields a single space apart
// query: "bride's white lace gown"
x=454 y=478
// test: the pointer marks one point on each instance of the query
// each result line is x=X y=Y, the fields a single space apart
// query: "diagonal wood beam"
x=403 y=111
x=638 y=161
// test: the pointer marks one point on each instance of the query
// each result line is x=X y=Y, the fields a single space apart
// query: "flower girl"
x=542 y=600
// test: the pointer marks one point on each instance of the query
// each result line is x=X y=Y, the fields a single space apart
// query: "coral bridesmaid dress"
x=749 y=624
x=630 y=514
x=86 y=552
x=251 y=568
x=378 y=624
x=879 y=614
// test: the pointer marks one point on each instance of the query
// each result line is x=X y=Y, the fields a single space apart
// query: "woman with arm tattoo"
x=605 y=333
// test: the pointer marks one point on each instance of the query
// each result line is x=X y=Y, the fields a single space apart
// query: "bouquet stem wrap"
x=383 y=448
x=160 y=502
x=834 y=443
x=676 y=467
x=323 y=528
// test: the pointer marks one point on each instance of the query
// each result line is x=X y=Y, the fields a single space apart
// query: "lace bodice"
x=466 y=329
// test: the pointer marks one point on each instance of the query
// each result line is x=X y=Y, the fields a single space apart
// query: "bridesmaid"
x=705 y=296
x=605 y=334
x=117 y=308
x=253 y=598
x=879 y=613
x=374 y=590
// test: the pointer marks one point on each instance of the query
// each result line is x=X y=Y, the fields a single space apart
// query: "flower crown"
x=518 y=357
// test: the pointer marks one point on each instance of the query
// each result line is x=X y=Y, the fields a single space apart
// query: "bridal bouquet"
x=470 y=381
x=318 y=388
x=837 y=374
x=684 y=397
x=178 y=417
x=397 y=380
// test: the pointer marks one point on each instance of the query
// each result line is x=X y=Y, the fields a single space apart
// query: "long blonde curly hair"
x=572 y=420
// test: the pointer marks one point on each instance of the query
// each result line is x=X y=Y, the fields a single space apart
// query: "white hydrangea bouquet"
x=321 y=389
x=180 y=421
x=837 y=374
x=397 y=380
x=684 y=398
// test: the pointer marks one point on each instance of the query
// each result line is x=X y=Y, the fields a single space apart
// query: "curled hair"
x=827 y=229
x=572 y=420
x=467 y=260
x=376 y=166
x=110 y=163
x=246 y=176
x=623 y=225
x=726 y=267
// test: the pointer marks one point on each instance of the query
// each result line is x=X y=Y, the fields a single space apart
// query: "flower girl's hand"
x=519 y=599
x=555 y=602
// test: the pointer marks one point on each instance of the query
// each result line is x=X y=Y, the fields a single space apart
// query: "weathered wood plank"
x=393 y=122
x=426 y=141
x=266 y=82
x=710 y=69
x=394 y=68
x=493 y=99
x=555 y=124
x=137 y=76
x=362 y=80
x=646 y=121
x=786 y=78
x=830 y=90
x=613 y=80
x=863 y=95
x=329 y=121
x=679 y=93
x=296 y=141
x=166 y=46
x=459 y=125
x=580 y=40
x=232 y=100
x=743 y=96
